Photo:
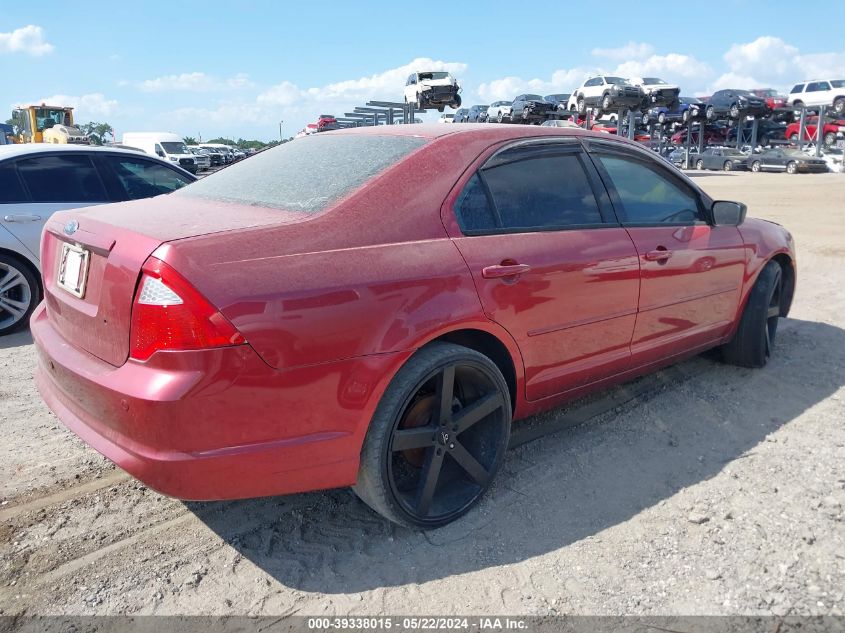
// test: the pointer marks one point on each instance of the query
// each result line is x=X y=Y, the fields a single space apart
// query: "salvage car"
x=774 y=99
x=37 y=179
x=530 y=108
x=606 y=93
x=832 y=130
x=432 y=89
x=792 y=161
x=680 y=113
x=819 y=92
x=475 y=112
x=735 y=104
x=559 y=101
x=265 y=331
x=767 y=131
x=499 y=111
x=460 y=115
x=657 y=91
x=721 y=158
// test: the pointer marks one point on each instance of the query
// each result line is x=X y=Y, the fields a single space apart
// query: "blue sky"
x=237 y=68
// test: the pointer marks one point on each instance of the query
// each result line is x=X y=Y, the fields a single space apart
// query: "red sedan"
x=831 y=130
x=373 y=307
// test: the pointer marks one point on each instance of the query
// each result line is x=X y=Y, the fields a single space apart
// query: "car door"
x=52 y=181
x=15 y=221
x=817 y=93
x=774 y=160
x=691 y=271
x=550 y=263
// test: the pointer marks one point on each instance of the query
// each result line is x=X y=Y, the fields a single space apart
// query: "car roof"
x=28 y=149
x=495 y=133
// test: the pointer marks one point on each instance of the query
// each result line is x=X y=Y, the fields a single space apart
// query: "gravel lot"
x=716 y=491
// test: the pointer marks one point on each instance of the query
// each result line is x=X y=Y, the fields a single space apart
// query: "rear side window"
x=648 y=195
x=143 y=178
x=62 y=178
x=549 y=192
x=307 y=174
x=11 y=189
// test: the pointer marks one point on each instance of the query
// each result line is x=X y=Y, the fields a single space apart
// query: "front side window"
x=62 y=178
x=797 y=88
x=648 y=194
x=540 y=193
x=143 y=178
x=818 y=86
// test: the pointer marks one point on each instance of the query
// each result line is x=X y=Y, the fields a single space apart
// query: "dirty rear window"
x=306 y=174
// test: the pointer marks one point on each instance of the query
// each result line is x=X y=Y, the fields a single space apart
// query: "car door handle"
x=658 y=255
x=504 y=270
x=21 y=217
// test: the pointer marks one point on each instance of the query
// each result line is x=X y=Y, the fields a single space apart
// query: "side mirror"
x=160 y=153
x=727 y=213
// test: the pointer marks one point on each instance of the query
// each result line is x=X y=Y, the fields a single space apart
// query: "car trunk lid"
x=113 y=242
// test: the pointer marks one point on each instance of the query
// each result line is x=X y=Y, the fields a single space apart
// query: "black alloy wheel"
x=437 y=439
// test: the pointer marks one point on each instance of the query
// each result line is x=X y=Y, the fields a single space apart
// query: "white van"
x=166 y=145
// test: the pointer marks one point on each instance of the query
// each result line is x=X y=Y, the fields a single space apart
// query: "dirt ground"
x=718 y=491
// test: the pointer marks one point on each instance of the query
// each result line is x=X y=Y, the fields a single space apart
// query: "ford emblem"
x=70 y=227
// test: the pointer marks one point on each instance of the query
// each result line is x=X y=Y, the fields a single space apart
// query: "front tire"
x=839 y=106
x=791 y=167
x=728 y=166
x=606 y=103
x=582 y=106
x=753 y=342
x=499 y=117
x=699 y=165
x=19 y=294
x=437 y=438
x=755 y=166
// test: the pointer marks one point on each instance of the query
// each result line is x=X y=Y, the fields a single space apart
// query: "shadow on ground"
x=17 y=339
x=555 y=491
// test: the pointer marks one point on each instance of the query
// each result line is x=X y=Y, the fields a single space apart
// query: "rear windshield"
x=307 y=174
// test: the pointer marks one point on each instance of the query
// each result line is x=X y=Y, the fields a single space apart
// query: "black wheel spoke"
x=408 y=439
x=445 y=393
x=477 y=411
x=469 y=464
x=428 y=480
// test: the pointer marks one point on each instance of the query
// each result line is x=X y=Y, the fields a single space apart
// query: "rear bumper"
x=214 y=424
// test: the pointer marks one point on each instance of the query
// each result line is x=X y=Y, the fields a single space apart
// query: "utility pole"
x=280 y=131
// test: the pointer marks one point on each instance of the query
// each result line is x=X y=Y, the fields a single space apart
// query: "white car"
x=558 y=123
x=606 y=93
x=658 y=91
x=432 y=89
x=499 y=111
x=38 y=179
x=446 y=118
x=819 y=92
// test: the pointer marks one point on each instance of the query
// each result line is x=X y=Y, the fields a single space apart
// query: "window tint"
x=307 y=174
x=62 y=178
x=534 y=193
x=797 y=88
x=473 y=210
x=11 y=189
x=817 y=86
x=144 y=178
x=649 y=195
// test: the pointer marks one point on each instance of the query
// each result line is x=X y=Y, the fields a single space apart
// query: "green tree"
x=98 y=133
x=190 y=140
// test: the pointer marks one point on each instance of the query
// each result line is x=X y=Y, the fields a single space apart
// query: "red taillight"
x=168 y=313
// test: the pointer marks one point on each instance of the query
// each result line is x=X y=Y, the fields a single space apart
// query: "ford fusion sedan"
x=39 y=179
x=308 y=319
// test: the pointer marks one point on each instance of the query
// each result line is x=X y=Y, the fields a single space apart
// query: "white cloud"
x=283 y=94
x=27 y=39
x=194 y=82
x=771 y=62
x=631 y=50
x=86 y=107
x=671 y=67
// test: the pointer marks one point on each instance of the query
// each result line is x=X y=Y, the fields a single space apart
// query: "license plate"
x=73 y=269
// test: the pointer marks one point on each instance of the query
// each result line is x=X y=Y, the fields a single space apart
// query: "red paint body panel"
x=333 y=304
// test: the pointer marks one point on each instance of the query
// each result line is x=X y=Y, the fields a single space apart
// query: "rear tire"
x=699 y=165
x=20 y=292
x=728 y=166
x=441 y=470
x=839 y=106
x=754 y=340
x=791 y=167
x=582 y=106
